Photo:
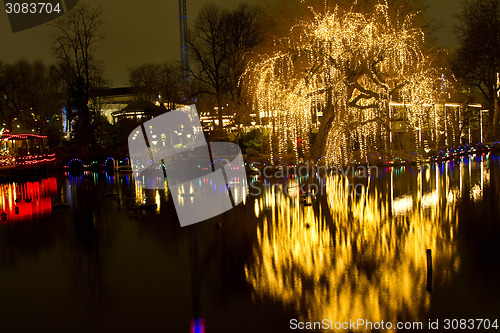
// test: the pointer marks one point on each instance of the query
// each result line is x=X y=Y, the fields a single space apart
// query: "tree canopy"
x=348 y=66
x=478 y=59
x=74 y=46
x=218 y=43
x=164 y=80
x=28 y=96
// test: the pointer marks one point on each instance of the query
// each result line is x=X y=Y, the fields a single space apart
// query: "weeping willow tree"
x=348 y=66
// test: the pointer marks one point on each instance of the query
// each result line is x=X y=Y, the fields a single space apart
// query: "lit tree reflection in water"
x=350 y=257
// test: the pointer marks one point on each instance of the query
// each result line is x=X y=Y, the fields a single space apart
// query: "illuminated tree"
x=347 y=66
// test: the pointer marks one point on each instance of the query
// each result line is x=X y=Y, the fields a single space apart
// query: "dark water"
x=103 y=265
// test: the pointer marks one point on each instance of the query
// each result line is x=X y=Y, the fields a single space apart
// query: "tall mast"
x=183 y=39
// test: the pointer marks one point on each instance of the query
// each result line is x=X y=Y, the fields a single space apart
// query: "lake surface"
x=352 y=252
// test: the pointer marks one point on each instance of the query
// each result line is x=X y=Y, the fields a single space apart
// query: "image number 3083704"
x=26 y=14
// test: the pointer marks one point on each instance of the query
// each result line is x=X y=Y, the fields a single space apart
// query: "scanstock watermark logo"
x=204 y=179
x=26 y=14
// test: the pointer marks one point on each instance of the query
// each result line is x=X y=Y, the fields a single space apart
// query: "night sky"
x=139 y=32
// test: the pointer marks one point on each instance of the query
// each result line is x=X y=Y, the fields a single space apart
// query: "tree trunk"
x=219 y=111
x=319 y=146
x=10 y=124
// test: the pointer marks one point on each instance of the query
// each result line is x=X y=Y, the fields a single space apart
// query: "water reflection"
x=343 y=257
x=349 y=257
x=26 y=200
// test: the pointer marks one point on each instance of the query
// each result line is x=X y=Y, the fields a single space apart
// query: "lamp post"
x=390 y=127
x=436 y=126
x=419 y=133
x=481 y=123
x=445 y=127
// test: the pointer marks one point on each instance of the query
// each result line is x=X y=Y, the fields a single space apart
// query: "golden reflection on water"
x=143 y=196
x=186 y=193
x=365 y=257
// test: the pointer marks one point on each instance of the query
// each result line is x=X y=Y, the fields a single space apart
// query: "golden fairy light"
x=348 y=258
x=348 y=66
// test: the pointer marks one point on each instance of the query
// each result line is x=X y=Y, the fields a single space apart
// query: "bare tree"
x=74 y=46
x=163 y=80
x=478 y=58
x=43 y=114
x=144 y=75
x=171 y=83
x=218 y=43
x=29 y=96
x=15 y=90
x=244 y=35
x=208 y=41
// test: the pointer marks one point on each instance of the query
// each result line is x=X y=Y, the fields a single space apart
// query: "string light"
x=22 y=136
x=349 y=66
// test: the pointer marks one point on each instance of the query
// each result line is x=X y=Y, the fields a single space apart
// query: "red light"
x=33 y=199
x=23 y=136
x=27 y=160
